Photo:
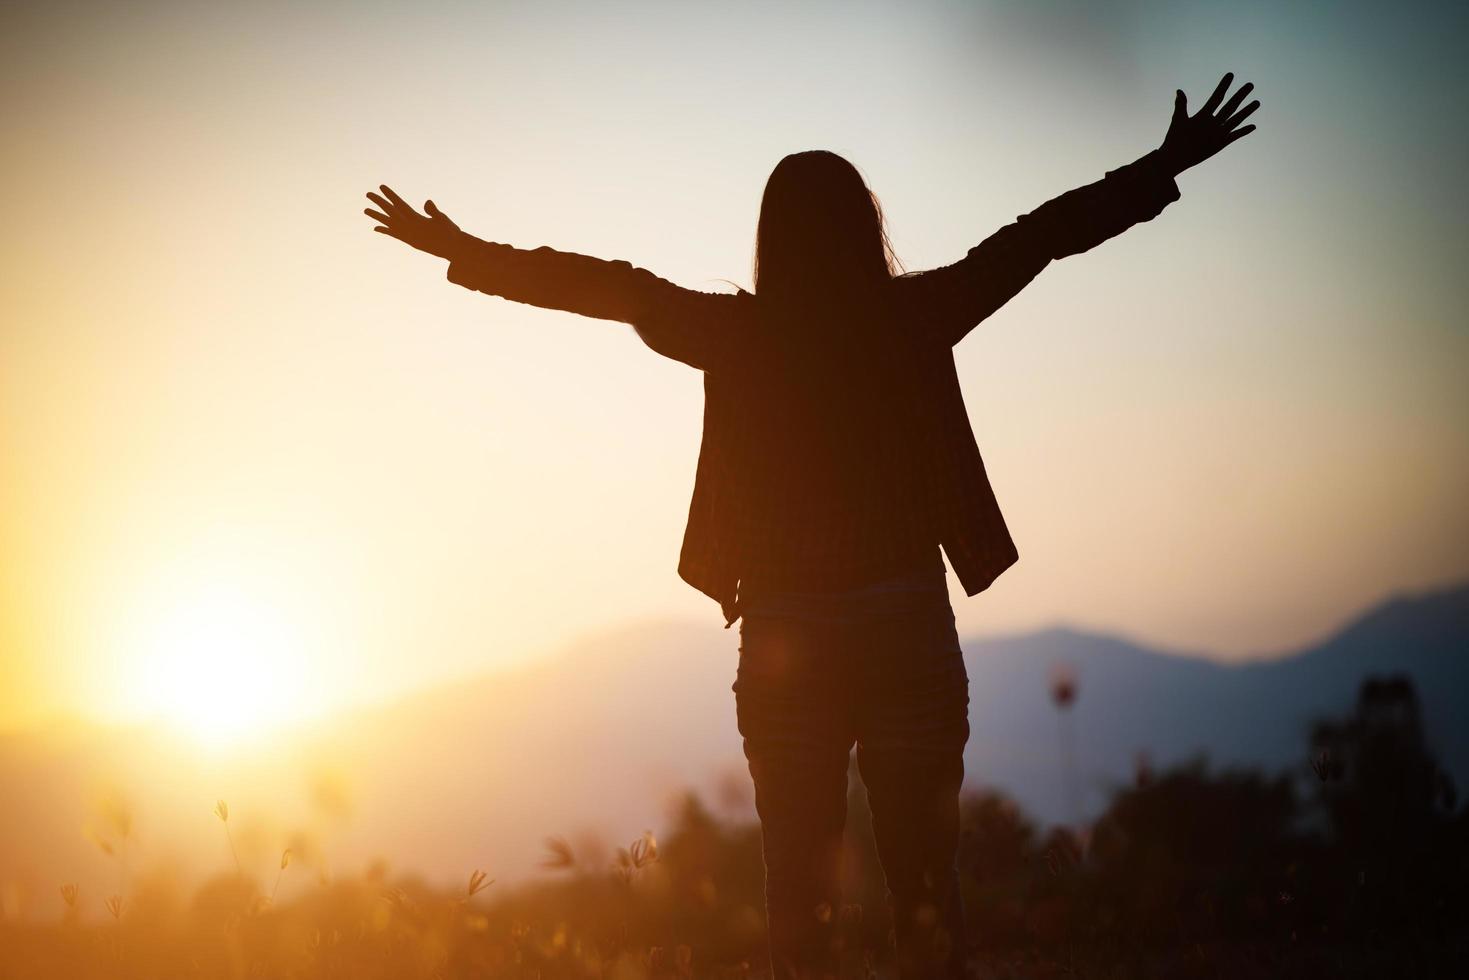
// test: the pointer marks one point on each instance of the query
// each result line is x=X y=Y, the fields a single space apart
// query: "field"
x=1352 y=866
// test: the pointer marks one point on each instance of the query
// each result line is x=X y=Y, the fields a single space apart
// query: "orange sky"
x=248 y=448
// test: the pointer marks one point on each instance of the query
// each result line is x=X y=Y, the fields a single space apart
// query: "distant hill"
x=650 y=708
x=1255 y=714
x=478 y=773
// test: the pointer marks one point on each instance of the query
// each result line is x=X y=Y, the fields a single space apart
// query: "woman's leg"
x=912 y=723
x=794 y=713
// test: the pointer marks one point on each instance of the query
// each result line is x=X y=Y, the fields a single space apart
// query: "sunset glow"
x=342 y=625
x=458 y=483
x=220 y=665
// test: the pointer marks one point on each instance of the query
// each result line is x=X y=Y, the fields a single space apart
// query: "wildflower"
x=222 y=811
x=1328 y=768
x=560 y=856
x=1063 y=686
x=69 y=895
x=644 y=850
x=636 y=856
x=285 y=863
x=114 y=905
x=478 y=882
x=118 y=815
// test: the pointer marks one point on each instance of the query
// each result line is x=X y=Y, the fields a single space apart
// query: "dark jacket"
x=775 y=395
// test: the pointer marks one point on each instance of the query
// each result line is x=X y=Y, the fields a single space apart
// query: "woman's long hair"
x=821 y=234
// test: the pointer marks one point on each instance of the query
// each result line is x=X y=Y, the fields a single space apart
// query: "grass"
x=1350 y=866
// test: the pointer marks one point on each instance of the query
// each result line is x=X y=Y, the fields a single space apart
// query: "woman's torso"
x=834 y=455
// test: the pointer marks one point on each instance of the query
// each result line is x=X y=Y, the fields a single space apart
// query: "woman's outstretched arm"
x=680 y=323
x=953 y=299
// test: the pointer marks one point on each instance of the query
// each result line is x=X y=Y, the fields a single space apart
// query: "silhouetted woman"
x=837 y=460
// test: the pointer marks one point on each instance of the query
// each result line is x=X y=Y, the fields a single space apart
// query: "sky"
x=257 y=463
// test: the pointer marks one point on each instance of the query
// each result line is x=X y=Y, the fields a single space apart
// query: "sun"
x=221 y=665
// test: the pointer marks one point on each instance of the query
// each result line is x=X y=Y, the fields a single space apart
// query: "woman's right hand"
x=433 y=232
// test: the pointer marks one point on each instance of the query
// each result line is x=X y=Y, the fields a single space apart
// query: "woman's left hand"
x=433 y=232
x=1193 y=139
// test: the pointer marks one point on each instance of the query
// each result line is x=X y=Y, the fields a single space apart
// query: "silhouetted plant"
x=1398 y=846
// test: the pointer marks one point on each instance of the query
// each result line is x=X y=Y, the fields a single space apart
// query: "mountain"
x=1251 y=714
x=593 y=742
x=648 y=710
